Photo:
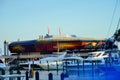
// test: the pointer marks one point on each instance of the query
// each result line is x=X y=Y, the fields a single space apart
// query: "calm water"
x=103 y=73
x=109 y=73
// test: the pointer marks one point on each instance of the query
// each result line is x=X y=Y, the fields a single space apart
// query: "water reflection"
x=108 y=73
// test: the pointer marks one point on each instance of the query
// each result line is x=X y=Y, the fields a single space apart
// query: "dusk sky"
x=27 y=19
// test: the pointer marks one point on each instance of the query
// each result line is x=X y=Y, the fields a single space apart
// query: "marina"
x=94 y=69
x=87 y=49
x=105 y=73
x=87 y=63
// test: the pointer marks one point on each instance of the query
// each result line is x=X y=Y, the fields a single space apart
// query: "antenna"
x=59 y=31
x=48 y=30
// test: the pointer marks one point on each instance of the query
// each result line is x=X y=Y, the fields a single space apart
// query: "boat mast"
x=117 y=32
x=118 y=25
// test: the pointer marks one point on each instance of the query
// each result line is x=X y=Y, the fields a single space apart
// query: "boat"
x=49 y=62
x=77 y=62
x=95 y=59
x=52 y=62
x=109 y=55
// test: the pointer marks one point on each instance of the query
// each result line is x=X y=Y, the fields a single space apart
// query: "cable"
x=112 y=18
x=118 y=24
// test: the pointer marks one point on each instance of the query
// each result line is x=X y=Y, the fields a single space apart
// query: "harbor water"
x=109 y=73
x=103 y=73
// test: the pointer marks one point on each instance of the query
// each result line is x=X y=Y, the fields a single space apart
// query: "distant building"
x=51 y=43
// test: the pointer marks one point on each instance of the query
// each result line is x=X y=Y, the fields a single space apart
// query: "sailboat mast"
x=118 y=24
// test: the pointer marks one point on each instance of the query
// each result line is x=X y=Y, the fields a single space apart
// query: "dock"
x=2 y=77
x=34 y=56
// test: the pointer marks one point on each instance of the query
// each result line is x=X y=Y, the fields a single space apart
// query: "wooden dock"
x=34 y=56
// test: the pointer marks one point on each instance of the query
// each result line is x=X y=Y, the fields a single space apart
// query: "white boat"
x=99 y=54
x=77 y=62
x=109 y=55
x=57 y=62
x=52 y=62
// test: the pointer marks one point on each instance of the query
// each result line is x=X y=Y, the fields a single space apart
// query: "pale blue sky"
x=27 y=19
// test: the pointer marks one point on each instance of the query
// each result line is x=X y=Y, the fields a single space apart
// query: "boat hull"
x=91 y=66
x=52 y=66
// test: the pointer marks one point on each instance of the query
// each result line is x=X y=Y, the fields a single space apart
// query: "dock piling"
x=18 y=72
x=2 y=71
x=64 y=75
x=27 y=78
x=50 y=75
x=48 y=65
x=36 y=75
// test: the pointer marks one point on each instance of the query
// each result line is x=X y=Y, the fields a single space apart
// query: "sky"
x=28 y=19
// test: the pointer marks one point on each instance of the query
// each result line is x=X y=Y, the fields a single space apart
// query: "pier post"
x=78 y=64
x=50 y=75
x=63 y=65
x=83 y=65
x=48 y=65
x=27 y=78
x=92 y=69
x=66 y=66
x=105 y=62
x=36 y=75
x=57 y=66
x=18 y=72
x=11 y=72
x=2 y=71
x=92 y=65
x=97 y=64
x=64 y=75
